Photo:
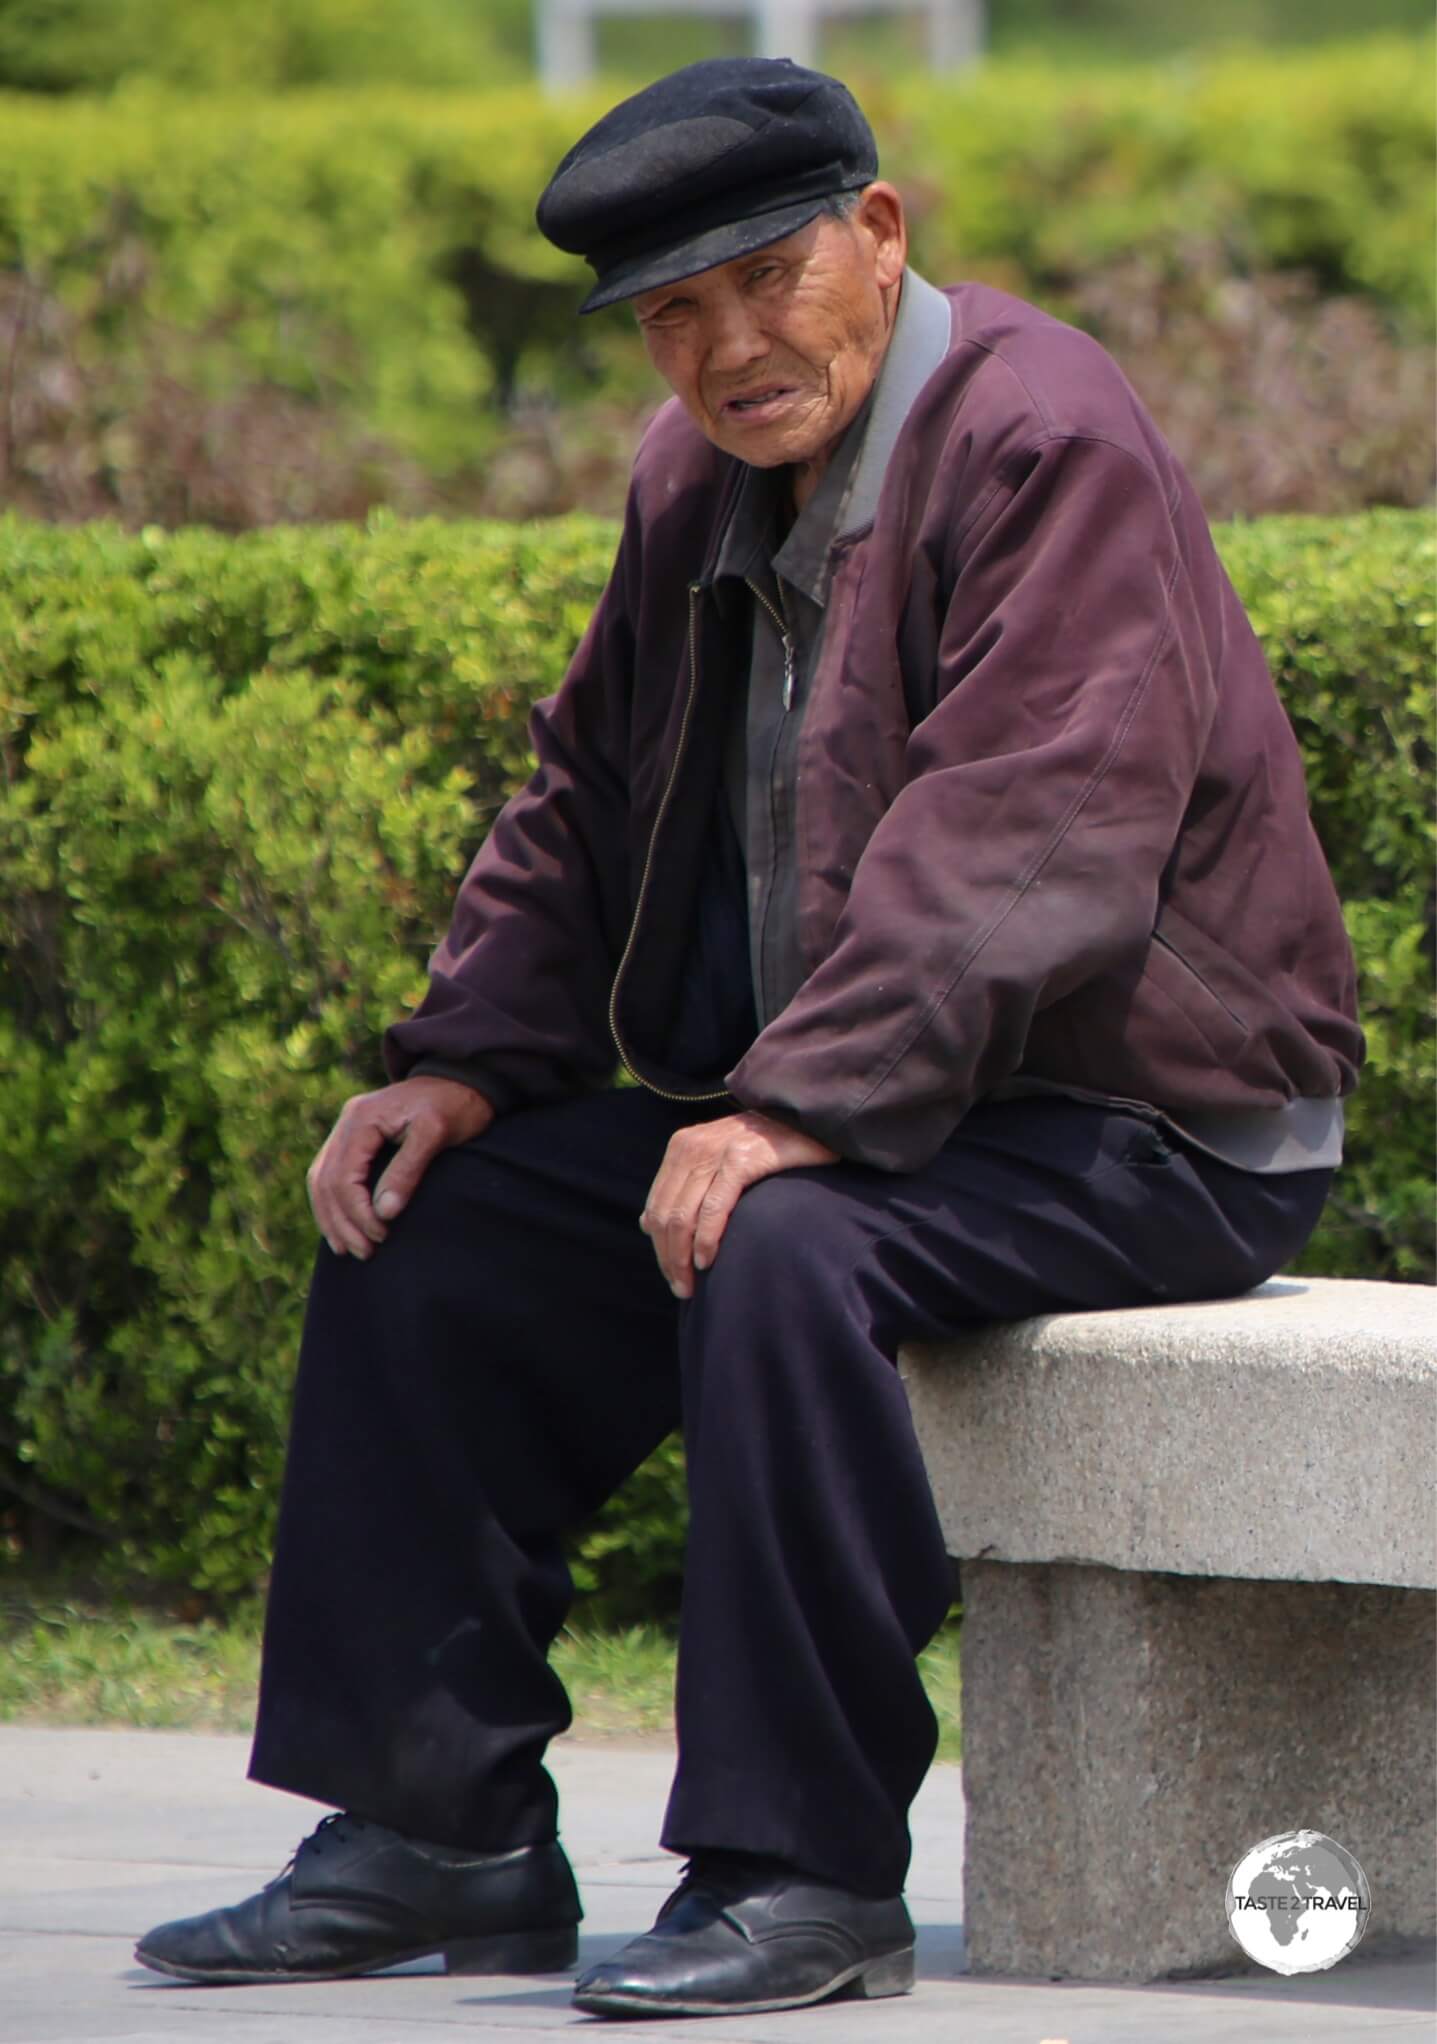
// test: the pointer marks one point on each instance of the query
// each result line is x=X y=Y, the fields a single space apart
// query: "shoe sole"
x=542 y=1951
x=870 y=1980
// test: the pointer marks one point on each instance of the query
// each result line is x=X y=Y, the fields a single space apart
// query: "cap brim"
x=700 y=252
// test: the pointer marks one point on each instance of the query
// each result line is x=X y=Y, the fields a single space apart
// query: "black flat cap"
x=704 y=165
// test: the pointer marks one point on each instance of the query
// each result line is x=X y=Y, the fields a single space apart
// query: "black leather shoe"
x=740 y=1936
x=357 y=1897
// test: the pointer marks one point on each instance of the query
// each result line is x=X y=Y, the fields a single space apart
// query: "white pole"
x=786 y=29
x=957 y=32
x=564 y=34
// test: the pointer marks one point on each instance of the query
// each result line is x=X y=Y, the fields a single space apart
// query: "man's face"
x=773 y=354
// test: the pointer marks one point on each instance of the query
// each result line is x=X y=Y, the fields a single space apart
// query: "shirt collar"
x=922 y=336
x=847 y=492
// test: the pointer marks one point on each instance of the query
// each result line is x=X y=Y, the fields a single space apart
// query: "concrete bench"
x=1198 y=1551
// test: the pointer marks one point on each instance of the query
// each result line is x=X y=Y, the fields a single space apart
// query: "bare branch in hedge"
x=44 y=1501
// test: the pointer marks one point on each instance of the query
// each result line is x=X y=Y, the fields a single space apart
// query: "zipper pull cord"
x=785 y=635
x=790 y=651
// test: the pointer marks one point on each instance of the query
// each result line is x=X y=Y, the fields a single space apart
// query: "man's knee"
x=786 y=1232
x=430 y=1267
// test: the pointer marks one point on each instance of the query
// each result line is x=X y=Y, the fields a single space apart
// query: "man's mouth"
x=755 y=403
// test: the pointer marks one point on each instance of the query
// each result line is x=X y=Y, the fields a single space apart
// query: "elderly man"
x=918 y=825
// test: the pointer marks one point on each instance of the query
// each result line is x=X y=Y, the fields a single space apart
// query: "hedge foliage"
x=279 y=45
x=240 y=777
x=360 y=273
x=266 y=45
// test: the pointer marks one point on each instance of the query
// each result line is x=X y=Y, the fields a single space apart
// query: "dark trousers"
x=512 y=1353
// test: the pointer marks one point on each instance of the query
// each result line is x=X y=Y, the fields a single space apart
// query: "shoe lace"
x=327 y=1829
x=721 y=1876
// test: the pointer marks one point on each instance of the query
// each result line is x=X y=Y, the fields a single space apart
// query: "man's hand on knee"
x=423 y=1115
x=705 y=1171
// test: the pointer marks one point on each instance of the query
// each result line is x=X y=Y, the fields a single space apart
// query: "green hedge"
x=278 y=45
x=372 y=255
x=240 y=778
x=265 y=45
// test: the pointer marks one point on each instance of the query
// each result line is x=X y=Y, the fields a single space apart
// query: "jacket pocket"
x=1186 y=969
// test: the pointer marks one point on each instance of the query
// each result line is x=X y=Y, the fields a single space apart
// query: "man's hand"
x=705 y=1171
x=423 y=1115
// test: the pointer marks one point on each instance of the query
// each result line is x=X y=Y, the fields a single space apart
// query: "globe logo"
x=1297 y=1903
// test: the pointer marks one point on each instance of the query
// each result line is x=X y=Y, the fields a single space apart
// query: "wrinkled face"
x=772 y=354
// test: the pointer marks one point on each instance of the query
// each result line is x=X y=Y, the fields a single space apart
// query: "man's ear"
x=879 y=216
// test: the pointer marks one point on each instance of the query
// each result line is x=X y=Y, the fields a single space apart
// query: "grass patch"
x=621 y=1684
x=73 y=1661
x=939 y=1665
x=75 y=1658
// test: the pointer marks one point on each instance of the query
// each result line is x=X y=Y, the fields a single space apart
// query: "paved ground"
x=105 y=1833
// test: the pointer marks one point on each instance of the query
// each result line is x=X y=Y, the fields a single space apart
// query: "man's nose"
x=735 y=337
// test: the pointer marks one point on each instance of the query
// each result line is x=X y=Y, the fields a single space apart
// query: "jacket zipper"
x=780 y=625
x=695 y=590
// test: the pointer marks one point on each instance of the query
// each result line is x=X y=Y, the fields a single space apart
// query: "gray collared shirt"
x=784 y=580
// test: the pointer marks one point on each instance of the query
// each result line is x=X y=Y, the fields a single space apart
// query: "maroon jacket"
x=1053 y=815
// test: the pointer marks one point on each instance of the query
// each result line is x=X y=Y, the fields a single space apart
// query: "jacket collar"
x=847 y=493
x=922 y=335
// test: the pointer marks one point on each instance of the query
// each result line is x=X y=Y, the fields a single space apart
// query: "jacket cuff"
x=898 y=1138
x=501 y=1098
